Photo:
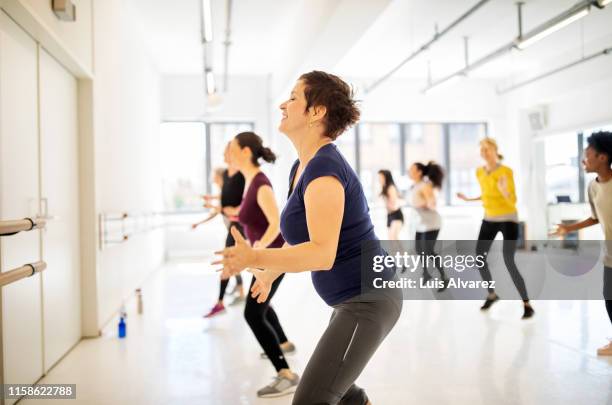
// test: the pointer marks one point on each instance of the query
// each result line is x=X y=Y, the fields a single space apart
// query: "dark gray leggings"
x=356 y=328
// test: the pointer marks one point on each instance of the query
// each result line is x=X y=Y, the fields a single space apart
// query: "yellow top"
x=493 y=201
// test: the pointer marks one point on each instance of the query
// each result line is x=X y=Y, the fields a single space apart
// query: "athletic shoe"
x=279 y=387
x=216 y=310
x=289 y=349
x=489 y=302
x=528 y=312
x=237 y=301
x=605 y=350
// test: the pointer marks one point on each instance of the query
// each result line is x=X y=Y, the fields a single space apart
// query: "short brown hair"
x=329 y=91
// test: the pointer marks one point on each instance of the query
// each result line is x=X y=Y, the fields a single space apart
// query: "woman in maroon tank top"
x=260 y=218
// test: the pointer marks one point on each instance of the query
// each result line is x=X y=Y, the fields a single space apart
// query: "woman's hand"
x=263 y=284
x=502 y=185
x=561 y=230
x=462 y=196
x=238 y=257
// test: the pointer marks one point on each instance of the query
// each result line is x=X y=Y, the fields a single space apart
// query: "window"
x=462 y=158
x=346 y=145
x=184 y=174
x=188 y=161
x=565 y=176
x=395 y=146
x=562 y=167
x=379 y=148
x=220 y=135
x=422 y=143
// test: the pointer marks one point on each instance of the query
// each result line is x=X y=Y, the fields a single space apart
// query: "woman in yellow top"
x=499 y=202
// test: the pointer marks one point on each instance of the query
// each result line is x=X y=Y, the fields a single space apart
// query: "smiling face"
x=295 y=118
x=594 y=161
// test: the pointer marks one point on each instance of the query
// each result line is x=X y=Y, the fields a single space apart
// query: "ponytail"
x=433 y=171
x=267 y=154
x=254 y=142
x=435 y=174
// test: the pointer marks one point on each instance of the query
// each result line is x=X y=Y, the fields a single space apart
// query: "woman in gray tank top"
x=427 y=180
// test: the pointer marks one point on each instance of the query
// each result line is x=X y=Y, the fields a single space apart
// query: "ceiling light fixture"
x=207 y=31
x=210 y=82
x=603 y=3
x=552 y=26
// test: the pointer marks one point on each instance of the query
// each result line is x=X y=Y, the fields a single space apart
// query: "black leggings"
x=425 y=243
x=229 y=241
x=224 y=284
x=509 y=230
x=266 y=327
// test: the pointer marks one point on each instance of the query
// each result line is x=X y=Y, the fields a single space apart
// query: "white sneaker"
x=279 y=387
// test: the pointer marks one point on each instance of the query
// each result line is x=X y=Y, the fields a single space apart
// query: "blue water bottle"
x=122 y=326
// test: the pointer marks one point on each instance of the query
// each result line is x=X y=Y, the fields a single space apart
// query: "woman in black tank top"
x=231 y=182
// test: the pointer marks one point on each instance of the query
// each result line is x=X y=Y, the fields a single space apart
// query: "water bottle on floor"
x=122 y=325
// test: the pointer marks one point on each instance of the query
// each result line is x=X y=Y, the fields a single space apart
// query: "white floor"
x=438 y=353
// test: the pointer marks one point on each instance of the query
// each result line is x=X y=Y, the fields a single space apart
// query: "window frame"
x=207 y=142
x=446 y=146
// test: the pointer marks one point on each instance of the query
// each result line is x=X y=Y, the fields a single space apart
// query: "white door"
x=60 y=202
x=19 y=198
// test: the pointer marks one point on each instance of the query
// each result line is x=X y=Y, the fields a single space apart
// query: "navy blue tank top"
x=343 y=281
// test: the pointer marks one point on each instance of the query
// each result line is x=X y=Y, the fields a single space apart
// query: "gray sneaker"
x=237 y=301
x=290 y=349
x=279 y=387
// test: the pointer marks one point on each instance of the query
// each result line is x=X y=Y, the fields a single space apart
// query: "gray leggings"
x=356 y=328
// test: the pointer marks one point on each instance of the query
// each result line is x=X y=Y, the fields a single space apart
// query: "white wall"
x=76 y=36
x=126 y=98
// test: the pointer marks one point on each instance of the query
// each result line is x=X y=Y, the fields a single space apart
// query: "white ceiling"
x=264 y=30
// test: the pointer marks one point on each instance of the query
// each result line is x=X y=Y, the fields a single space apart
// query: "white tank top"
x=426 y=218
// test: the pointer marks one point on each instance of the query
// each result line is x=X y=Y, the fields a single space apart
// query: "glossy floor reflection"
x=439 y=352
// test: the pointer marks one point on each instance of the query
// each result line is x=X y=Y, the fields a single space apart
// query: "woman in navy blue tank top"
x=325 y=223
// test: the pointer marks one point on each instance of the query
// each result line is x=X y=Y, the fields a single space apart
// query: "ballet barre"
x=117 y=228
x=27 y=270
x=13 y=227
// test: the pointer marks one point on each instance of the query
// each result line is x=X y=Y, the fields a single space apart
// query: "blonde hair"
x=493 y=144
x=219 y=171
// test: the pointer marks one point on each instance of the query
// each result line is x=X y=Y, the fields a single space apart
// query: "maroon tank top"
x=252 y=217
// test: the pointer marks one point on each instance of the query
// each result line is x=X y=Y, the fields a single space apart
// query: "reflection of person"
x=427 y=180
x=325 y=222
x=499 y=201
x=389 y=192
x=598 y=159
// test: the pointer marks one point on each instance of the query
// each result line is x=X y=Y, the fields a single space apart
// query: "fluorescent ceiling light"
x=210 y=82
x=554 y=26
x=603 y=3
x=207 y=31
